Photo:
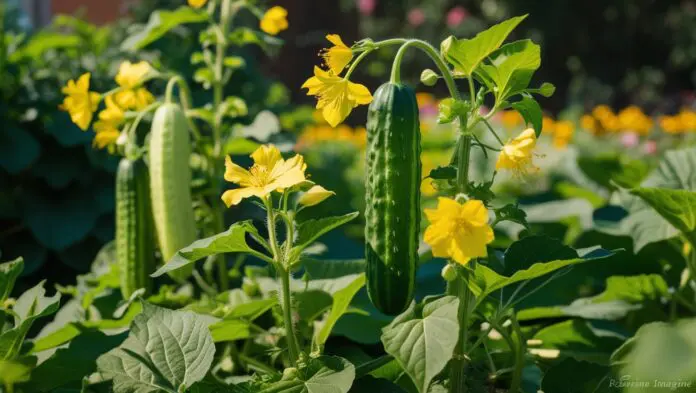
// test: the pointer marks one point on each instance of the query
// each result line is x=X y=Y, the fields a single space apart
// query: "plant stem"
x=293 y=347
x=459 y=358
x=519 y=350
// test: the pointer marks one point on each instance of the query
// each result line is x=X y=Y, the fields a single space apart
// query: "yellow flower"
x=315 y=195
x=633 y=119
x=517 y=154
x=563 y=133
x=336 y=96
x=511 y=119
x=688 y=119
x=671 y=124
x=129 y=78
x=197 y=3
x=548 y=125
x=425 y=99
x=269 y=173
x=589 y=123
x=608 y=121
x=338 y=56
x=458 y=231
x=79 y=102
x=106 y=128
x=274 y=20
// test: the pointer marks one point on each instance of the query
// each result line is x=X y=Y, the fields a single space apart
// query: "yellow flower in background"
x=336 y=96
x=425 y=99
x=107 y=127
x=511 y=119
x=197 y=3
x=269 y=173
x=129 y=78
x=314 y=196
x=589 y=123
x=360 y=136
x=79 y=102
x=563 y=134
x=458 y=231
x=338 y=56
x=633 y=119
x=517 y=154
x=274 y=20
x=608 y=121
x=671 y=124
x=427 y=164
x=688 y=119
x=548 y=125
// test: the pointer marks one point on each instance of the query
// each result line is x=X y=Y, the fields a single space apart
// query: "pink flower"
x=650 y=147
x=366 y=7
x=629 y=139
x=456 y=16
x=416 y=17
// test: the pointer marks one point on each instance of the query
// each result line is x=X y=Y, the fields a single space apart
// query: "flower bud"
x=429 y=77
x=449 y=272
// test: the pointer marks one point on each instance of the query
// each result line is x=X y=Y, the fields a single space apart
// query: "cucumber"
x=135 y=247
x=170 y=179
x=392 y=213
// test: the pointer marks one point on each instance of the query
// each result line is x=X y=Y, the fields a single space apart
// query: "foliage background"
x=56 y=198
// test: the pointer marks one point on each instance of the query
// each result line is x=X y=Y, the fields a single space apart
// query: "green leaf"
x=573 y=376
x=251 y=310
x=311 y=230
x=325 y=374
x=660 y=352
x=577 y=339
x=165 y=350
x=606 y=170
x=486 y=281
x=372 y=384
x=18 y=149
x=531 y=113
x=423 y=338
x=244 y=36
x=73 y=363
x=511 y=213
x=512 y=68
x=341 y=302
x=230 y=330
x=443 y=173
x=16 y=370
x=30 y=306
x=678 y=207
x=232 y=240
x=467 y=54
x=42 y=42
x=162 y=21
x=9 y=271
x=240 y=146
x=332 y=268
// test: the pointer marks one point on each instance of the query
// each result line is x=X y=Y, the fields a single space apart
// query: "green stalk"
x=519 y=350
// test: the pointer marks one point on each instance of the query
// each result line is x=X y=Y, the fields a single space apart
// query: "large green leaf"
x=577 y=339
x=162 y=21
x=30 y=306
x=467 y=54
x=9 y=271
x=531 y=112
x=230 y=330
x=310 y=230
x=42 y=42
x=332 y=268
x=325 y=374
x=18 y=149
x=341 y=302
x=607 y=169
x=165 y=350
x=512 y=68
x=16 y=370
x=660 y=352
x=73 y=363
x=232 y=240
x=622 y=295
x=573 y=376
x=423 y=338
x=678 y=207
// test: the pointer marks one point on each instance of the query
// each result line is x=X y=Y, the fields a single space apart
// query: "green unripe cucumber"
x=135 y=247
x=170 y=178
x=392 y=212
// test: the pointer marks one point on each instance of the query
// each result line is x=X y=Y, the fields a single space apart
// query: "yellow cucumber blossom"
x=129 y=77
x=314 y=196
x=274 y=20
x=79 y=102
x=106 y=128
x=458 y=231
x=336 y=96
x=517 y=154
x=563 y=134
x=338 y=56
x=269 y=173
x=197 y=3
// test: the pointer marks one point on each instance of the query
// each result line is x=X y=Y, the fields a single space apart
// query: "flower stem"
x=293 y=347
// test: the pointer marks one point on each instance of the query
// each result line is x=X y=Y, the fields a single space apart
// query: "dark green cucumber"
x=392 y=211
x=135 y=249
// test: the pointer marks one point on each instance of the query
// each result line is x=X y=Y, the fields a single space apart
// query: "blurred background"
x=56 y=191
